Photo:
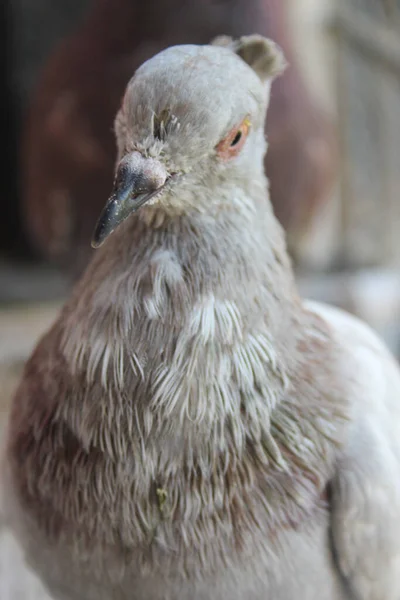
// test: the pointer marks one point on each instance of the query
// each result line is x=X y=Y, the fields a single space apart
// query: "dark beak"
x=138 y=179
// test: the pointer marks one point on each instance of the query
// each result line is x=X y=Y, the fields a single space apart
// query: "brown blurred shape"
x=69 y=148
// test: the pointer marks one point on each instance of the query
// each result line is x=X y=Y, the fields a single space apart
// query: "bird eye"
x=231 y=145
x=236 y=139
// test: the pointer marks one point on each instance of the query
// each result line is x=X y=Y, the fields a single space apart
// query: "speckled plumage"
x=189 y=428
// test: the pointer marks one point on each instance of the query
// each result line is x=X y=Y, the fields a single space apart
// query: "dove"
x=67 y=154
x=189 y=427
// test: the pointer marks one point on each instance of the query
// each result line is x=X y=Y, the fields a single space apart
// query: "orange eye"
x=232 y=144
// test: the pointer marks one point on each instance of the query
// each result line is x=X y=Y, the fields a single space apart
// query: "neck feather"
x=199 y=397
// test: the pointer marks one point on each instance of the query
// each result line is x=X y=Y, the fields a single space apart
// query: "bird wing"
x=365 y=492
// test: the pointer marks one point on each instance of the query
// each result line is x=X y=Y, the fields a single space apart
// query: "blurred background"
x=333 y=128
x=333 y=162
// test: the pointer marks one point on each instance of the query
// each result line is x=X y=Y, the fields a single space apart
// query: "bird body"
x=189 y=428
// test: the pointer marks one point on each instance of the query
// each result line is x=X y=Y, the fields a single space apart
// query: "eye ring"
x=234 y=141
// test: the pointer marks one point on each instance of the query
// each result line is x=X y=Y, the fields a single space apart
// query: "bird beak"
x=138 y=179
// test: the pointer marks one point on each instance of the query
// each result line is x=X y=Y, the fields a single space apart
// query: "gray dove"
x=189 y=428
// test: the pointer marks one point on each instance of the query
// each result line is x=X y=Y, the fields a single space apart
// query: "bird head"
x=191 y=126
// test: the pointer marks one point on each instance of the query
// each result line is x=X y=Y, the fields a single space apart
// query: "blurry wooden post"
x=365 y=278
x=368 y=41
